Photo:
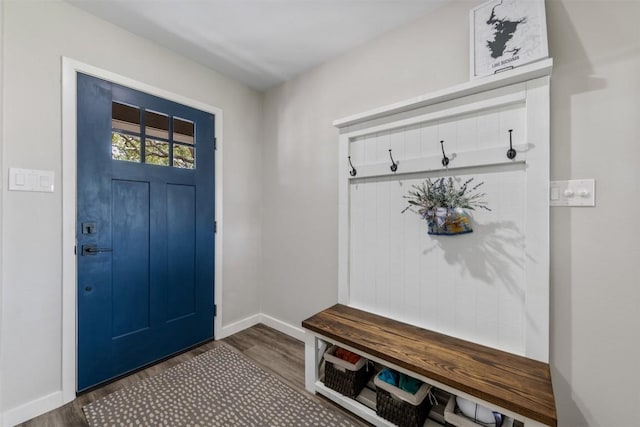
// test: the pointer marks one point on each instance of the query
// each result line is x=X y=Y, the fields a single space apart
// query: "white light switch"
x=576 y=192
x=31 y=180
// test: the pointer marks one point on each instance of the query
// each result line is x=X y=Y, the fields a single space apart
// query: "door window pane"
x=183 y=131
x=125 y=147
x=129 y=139
x=184 y=156
x=156 y=125
x=156 y=152
x=125 y=118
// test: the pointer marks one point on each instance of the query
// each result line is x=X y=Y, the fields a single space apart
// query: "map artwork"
x=507 y=33
x=502 y=34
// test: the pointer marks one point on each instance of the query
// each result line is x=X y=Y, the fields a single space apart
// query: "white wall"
x=595 y=132
x=595 y=253
x=300 y=222
x=36 y=35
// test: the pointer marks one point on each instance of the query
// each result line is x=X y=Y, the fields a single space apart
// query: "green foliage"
x=183 y=156
x=125 y=147
x=129 y=148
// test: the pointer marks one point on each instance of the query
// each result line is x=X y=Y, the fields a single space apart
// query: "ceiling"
x=259 y=42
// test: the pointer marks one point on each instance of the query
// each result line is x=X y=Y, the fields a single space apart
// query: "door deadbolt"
x=89 y=228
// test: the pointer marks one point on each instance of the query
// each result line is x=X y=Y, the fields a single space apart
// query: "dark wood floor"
x=276 y=352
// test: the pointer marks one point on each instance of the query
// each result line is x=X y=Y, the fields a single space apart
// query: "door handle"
x=93 y=250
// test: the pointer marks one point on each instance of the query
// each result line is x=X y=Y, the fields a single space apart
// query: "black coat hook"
x=511 y=153
x=353 y=171
x=394 y=165
x=445 y=159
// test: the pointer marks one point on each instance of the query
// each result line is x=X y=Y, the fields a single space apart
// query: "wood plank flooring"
x=274 y=351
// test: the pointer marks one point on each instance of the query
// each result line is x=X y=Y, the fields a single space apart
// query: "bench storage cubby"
x=401 y=407
x=344 y=377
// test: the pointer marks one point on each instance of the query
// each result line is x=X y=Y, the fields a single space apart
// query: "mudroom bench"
x=513 y=385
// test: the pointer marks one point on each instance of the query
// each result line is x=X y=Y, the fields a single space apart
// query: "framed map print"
x=506 y=34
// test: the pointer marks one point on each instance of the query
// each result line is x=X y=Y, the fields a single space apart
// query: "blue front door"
x=145 y=229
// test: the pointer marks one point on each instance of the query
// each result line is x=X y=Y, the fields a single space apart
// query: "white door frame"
x=70 y=68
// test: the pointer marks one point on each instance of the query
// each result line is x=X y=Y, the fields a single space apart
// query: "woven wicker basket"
x=400 y=412
x=392 y=404
x=344 y=377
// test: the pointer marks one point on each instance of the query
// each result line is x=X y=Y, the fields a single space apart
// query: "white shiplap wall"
x=470 y=286
x=484 y=286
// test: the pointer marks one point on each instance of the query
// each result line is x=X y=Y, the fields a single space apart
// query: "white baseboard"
x=272 y=322
x=238 y=326
x=284 y=327
x=32 y=409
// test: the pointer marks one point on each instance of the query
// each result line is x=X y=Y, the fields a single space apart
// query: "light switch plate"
x=31 y=180
x=576 y=192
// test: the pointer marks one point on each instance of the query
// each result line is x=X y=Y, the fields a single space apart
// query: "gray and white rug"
x=217 y=388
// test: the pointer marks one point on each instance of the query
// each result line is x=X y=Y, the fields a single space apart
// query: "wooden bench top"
x=513 y=382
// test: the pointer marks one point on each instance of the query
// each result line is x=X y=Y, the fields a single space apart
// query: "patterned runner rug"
x=217 y=388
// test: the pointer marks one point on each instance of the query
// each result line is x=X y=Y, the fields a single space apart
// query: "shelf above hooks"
x=517 y=75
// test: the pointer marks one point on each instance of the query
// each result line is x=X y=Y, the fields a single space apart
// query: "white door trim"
x=70 y=68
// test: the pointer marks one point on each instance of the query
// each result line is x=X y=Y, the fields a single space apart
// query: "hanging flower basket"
x=444 y=205
x=444 y=221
